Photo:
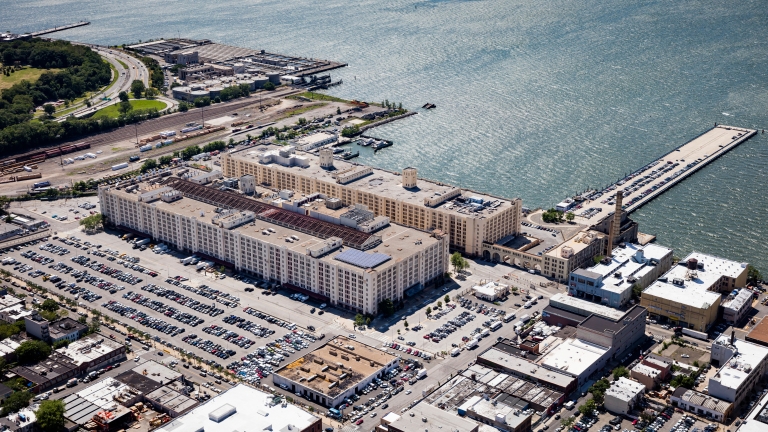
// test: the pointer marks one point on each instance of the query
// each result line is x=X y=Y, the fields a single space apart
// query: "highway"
x=135 y=71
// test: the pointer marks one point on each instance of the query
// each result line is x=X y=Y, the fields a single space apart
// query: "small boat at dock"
x=349 y=155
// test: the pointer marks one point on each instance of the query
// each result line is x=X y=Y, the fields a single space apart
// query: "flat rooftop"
x=526 y=367
x=584 y=307
x=757 y=419
x=436 y=419
x=107 y=393
x=646 y=370
x=696 y=291
x=576 y=244
x=396 y=241
x=625 y=389
x=8 y=346
x=157 y=372
x=380 y=182
x=737 y=369
x=759 y=333
x=739 y=300
x=9 y=300
x=631 y=260
x=339 y=357
x=65 y=326
x=242 y=408
x=90 y=348
x=171 y=399
x=53 y=367
x=573 y=356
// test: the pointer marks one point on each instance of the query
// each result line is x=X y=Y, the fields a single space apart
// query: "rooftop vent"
x=221 y=413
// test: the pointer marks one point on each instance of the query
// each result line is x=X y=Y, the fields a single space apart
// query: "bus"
x=495 y=326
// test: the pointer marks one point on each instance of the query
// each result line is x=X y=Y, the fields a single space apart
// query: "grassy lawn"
x=111 y=111
x=28 y=73
x=122 y=63
x=318 y=96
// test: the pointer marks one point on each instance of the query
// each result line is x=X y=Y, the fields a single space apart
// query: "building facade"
x=623 y=395
x=469 y=218
x=702 y=405
x=298 y=251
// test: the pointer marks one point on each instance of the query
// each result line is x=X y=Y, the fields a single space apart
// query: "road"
x=135 y=71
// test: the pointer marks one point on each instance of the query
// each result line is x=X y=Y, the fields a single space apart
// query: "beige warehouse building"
x=346 y=267
x=689 y=294
x=469 y=218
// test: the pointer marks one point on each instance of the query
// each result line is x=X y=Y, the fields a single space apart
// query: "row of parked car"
x=228 y=335
x=249 y=326
x=164 y=309
x=183 y=300
x=142 y=318
x=115 y=273
x=209 y=346
x=207 y=292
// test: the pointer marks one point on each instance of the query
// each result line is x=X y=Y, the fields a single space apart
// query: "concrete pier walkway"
x=657 y=177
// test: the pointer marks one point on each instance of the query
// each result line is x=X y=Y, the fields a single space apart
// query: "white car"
x=408 y=392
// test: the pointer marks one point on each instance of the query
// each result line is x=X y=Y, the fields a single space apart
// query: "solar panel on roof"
x=362 y=259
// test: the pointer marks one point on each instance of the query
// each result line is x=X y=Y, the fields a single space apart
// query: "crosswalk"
x=381 y=337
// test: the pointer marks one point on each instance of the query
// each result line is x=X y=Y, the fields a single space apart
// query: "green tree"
x=50 y=415
x=350 y=131
x=386 y=307
x=405 y=324
x=458 y=262
x=753 y=275
x=439 y=304
x=52 y=193
x=148 y=165
x=359 y=320
x=16 y=401
x=552 y=216
x=183 y=107
x=165 y=160
x=49 y=305
x=567 y=422
x=447 y=299
x=123 y=96
x=32 y=351
x=137 y=88
x=636 y=292
x=95 y=325
x=124 y=107
x=49 y=109
x=61 y=344
x=268 y=86
x=338 y=111
x=429 y=310
x=92 y=222
x=570 y=216
x=588 y=407
x=619 y=372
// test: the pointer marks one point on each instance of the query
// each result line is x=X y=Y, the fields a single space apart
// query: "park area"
x=112 y=111
x=27 y=73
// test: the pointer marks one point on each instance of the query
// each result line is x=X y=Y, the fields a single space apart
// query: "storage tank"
x=197 y=94
x=274 y=78
x=693 y=264
x=259 y=81
x=215 y=91
x=181 y=92
x=147 y=147
x=249 y=83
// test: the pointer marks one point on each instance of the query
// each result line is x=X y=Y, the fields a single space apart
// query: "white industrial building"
x=702 y=405
x=742 y=365
x=610 y=282
x=736 y=305
x=491 y=291
x=622 y=396
x=243 y=408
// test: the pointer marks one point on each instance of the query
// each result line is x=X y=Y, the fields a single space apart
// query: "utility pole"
x=202 y=112
x=136 y=128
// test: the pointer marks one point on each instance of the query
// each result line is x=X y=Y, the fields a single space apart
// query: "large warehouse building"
x=469 y=218
x=347 y=267
x=688 y=295
x=335 y=371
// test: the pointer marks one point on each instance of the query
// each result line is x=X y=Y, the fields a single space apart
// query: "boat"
x=337 y=150
x=349 y=155
x=381 y=144
x=366 y=142
x=429 y=105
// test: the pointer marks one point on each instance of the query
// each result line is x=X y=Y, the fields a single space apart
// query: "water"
x=534 y=99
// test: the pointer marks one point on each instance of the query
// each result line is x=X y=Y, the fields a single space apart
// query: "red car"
x=359 y=422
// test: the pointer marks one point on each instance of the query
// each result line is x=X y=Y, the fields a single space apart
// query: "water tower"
x=326 y=158
x=409 y=178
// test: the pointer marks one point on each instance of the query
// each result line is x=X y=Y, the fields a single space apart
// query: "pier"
x=662 y=174
x=56 y=29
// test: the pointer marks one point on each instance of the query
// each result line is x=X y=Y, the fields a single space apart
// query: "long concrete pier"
x=57 y=29
x=657 y=177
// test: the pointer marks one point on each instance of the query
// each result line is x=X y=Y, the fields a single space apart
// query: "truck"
x=142 y=242
x=72 y=382
x=472 y=343
x=187 y=260
x=695 y=334
x=421 y=373
x=204 y=264
x=528 y=304
x=334 y=412
x=485 y=333
x=495 y=325
x=455 y=352
x=525 y=318
x=509 y=317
